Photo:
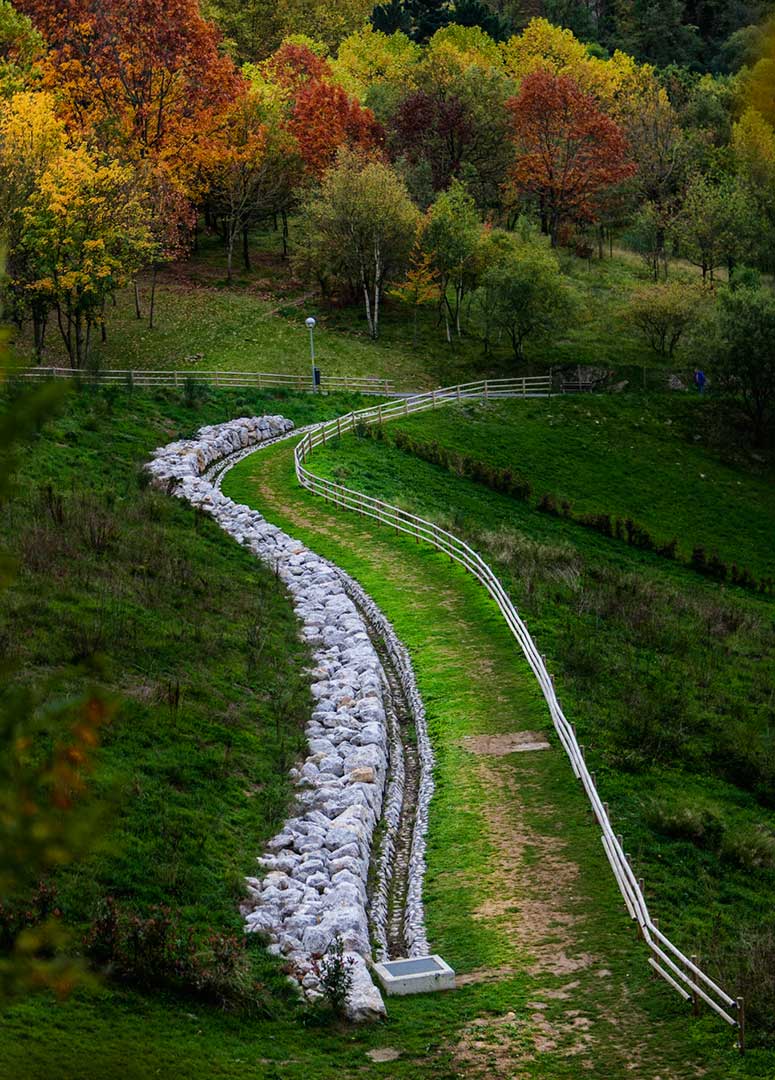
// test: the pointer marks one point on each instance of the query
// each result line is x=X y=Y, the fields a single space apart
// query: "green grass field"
x=653 y=459
x=667 y=675
x=516 y=873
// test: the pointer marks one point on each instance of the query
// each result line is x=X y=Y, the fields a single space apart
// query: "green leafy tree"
x=743 y=355
x=452 y=233
x=662 y=314
x=523 y=296
x=363 y=218
x=716 y=224
x=20 y=46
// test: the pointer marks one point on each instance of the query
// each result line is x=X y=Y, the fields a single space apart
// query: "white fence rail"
x=682 y=973
x=143 y=379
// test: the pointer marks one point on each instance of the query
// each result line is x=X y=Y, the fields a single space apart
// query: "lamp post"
x=310 y=324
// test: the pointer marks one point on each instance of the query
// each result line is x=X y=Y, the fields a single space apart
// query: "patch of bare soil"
x=383 y=1053
x=515 y=742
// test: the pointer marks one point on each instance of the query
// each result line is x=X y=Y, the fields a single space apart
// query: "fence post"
x=486 y=391
x=458 y=391
x=695 y=999
x=741 y=1025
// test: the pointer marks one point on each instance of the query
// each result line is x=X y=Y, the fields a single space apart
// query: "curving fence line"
x=681 y=972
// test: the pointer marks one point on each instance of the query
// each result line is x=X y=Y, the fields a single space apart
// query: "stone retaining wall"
x=317 y=867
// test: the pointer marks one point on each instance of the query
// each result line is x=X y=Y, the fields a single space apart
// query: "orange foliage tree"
x=142 y=80
x=568 y=152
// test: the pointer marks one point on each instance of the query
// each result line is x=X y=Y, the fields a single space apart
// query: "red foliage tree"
x=568 y=152
x=325 y=118
x=292 y=65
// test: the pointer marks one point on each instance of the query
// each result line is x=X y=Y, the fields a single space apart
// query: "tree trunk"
x=138 y=312
x=245 y=248
x=67 y=334
x=229 y=255
x=285 y=232
x=152 y=308
x=39 y=322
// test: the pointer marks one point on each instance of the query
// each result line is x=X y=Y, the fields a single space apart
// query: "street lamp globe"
x=310 y=323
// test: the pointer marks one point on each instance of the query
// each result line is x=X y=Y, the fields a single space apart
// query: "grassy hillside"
x=257 y=324
x=653 y=459
x=196 y=781
x=667 y=675
x=124 y=587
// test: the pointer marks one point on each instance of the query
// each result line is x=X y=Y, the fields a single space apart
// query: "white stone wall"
x=316 y=868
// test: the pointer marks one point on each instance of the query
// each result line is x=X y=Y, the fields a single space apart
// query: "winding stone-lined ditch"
x=368 y=775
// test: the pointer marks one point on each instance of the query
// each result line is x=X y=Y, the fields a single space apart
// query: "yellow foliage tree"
x=369 y=58
x=85 y=234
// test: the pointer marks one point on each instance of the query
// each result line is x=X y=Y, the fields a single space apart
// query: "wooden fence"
x=681 y=972
x=143 y=379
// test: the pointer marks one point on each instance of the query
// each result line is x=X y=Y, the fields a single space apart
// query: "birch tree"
x=364 y=217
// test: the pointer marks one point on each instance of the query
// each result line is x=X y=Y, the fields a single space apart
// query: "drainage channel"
x=398 y=859
x=391 y=862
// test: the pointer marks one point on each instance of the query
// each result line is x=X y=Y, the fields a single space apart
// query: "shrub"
x=750 y=848
x=157 y=950
x=700 y=825
x=661 y=315
x=336 y=978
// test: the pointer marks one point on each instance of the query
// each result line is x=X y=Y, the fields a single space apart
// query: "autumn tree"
x=140 y=78
x=374 y=66
x=236 y=170
x=325 y=119
x=567 y=151
x=85 y=234
x=419 y=285
x=31 y=139
x=363 y=216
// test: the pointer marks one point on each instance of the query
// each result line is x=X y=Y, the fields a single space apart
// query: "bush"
x=699 y=825
x=336 y=978
x=750 y=848
x=156 y=950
